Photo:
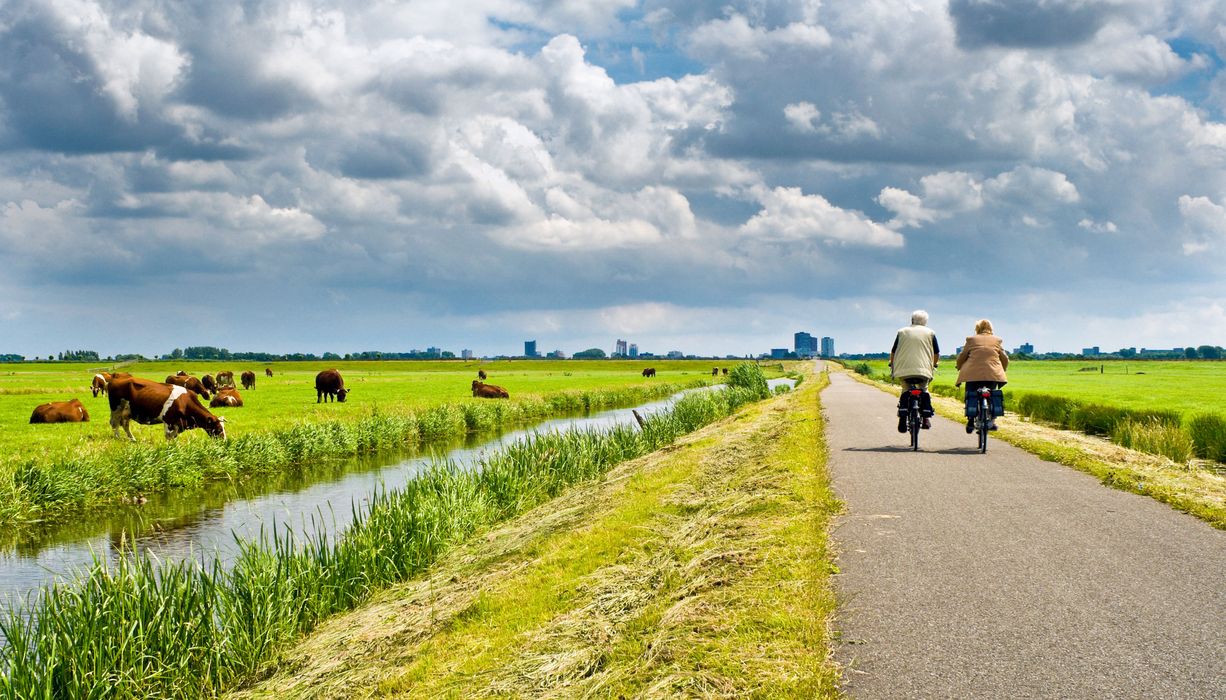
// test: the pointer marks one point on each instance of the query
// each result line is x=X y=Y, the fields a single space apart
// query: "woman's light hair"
x=919 y=318
x=983 y=325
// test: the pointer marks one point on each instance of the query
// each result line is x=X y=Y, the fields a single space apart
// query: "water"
x=203 y=523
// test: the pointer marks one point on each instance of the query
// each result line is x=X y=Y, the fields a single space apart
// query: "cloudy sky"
x=287 y=175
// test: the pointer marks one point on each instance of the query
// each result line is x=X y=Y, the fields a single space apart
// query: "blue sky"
x=710 y=177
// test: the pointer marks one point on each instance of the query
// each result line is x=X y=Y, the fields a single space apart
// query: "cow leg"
x=319 y=396
x=121 y=417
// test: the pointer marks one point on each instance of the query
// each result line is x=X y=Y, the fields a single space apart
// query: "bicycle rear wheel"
x=984 y=411
x=913 y=424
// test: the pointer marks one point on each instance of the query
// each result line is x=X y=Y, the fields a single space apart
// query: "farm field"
x=1190 y=388
x=288 y=397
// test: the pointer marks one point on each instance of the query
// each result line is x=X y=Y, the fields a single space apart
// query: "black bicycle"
x=983 y=417
x=915 y=414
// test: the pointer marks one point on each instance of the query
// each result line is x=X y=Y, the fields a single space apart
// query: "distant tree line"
x=208 y=352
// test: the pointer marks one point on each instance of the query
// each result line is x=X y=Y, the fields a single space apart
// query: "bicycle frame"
x=983 y=419
x=914 y=416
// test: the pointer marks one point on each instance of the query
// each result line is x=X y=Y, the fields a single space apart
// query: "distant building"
x=1025 y=349
x=619 y=349
x=434 y=352
x=779 y=353
x=556 y=355
x=804 y=344
x=827 y=347
x=530 y=348
x=634 y=350
x=675 y=355
x=466 y=354
x=1090 y=352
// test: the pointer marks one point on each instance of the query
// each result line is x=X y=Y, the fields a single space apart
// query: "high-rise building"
x=619 y=350
x=530 y=348
x=779 y=353
x=827 y=346
x=805 y=344
x=466 y=354
x=634 y=350
x=1026 y=348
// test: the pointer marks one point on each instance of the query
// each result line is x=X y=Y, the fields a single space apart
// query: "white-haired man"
x=913 y=359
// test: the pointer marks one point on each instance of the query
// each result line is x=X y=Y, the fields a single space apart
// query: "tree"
x=590 y=354
x=1190 y=353
x=1209 y=352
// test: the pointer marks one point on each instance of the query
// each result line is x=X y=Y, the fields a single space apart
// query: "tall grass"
x=138 y=629
x=115 y=473
x=1208 y=434
x=1154 y=437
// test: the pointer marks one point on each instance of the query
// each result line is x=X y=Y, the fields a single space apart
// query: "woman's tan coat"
x=982 y=359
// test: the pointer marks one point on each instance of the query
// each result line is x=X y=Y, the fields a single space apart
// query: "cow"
x=120 y=375
x=649 y=372
x=207 y=381
x=98 y=386
x=248 y=378
x=330 y=385
x=488 y=391
x=481 y=374
x=60 y=412
x=224 y=379
x=149 y=403
x=725 y=370
x=227 y=397
x=715 y=371
x=187 y=382
x=268 y=371
x=180 y=373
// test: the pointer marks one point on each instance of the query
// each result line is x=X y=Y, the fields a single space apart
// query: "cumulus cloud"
x=1206 y=222
x=790 y=215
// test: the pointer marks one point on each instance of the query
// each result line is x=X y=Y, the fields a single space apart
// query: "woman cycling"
x=982 y=363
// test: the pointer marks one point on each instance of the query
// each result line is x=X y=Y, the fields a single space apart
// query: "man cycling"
x=913 y=358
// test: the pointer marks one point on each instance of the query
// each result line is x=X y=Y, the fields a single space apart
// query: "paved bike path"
x=1002 y=576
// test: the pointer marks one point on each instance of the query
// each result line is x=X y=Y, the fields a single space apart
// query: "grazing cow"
x=248 y=379
x=725 y=371
x=98 y=386
x=481 y=374
x=330 y=385
x=180 y=373
x=60 y=412
x=489 y=391
x=207 y=381
x=268 y=371
x=649 y=372
x=227 y=397
x=225 y=379
x=715 y=371
x=149 y=403
x=189 y=383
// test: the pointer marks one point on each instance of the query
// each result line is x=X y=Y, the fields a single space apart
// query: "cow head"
x=214 y=426
x=341 y=394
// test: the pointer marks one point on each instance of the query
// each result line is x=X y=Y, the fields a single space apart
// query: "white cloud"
x=802 y=116
x=1033 y=185
x=790 y=215
x=1098 y=226
x=1205 y=220
x=737 y=38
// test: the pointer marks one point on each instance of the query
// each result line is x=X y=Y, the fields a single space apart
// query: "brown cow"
x=330 y=385
x=248 y=379
x=60 y=412
x=268 y=371
x=101 y=380
x=149 y=403
x=481 y=374
x=489 y=391
x=227 y=397
x=725 y=370
x=715 y=371
x=187 y=382
x=120 y=375
x=207 y=381
x=649 y=372
x=224 y=379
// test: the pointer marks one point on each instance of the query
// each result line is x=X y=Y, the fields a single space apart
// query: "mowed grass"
x=288 y=397
x=1189 y=388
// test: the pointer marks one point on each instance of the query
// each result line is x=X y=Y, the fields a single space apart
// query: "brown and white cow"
x=60 y=412
x=481 y=374
x=227 y=397
x=99 y=383
x=330 y=385
x=207 y=381
x=150 y=403
x=187 y=382
x=489 y=391
x=248 y=379
x=224 y=379
x=268 y=371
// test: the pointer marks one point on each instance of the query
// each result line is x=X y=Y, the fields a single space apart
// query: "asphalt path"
x=1003 y=576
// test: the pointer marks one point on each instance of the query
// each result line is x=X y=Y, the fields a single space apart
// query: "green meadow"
x=392 y=405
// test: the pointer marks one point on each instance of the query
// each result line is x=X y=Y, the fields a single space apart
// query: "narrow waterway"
x=204 y=523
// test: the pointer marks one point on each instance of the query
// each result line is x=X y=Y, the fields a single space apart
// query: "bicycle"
x=985 y=414
x=915 y=413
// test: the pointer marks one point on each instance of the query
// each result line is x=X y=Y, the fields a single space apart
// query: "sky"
x=297 y=176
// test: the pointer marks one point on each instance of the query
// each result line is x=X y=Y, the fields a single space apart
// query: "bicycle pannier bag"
x=998 y=402
x=972 y=406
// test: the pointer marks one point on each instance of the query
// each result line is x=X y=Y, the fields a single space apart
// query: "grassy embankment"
x=757 y=550
x=392 y=406
x=1156 y=426
x=700 y=570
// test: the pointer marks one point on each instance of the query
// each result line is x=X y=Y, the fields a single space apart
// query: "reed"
x=1155 y=437
x=139 y=628
x=1208 y=433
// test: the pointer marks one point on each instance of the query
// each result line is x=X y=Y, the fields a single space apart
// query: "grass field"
x=392 y=405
